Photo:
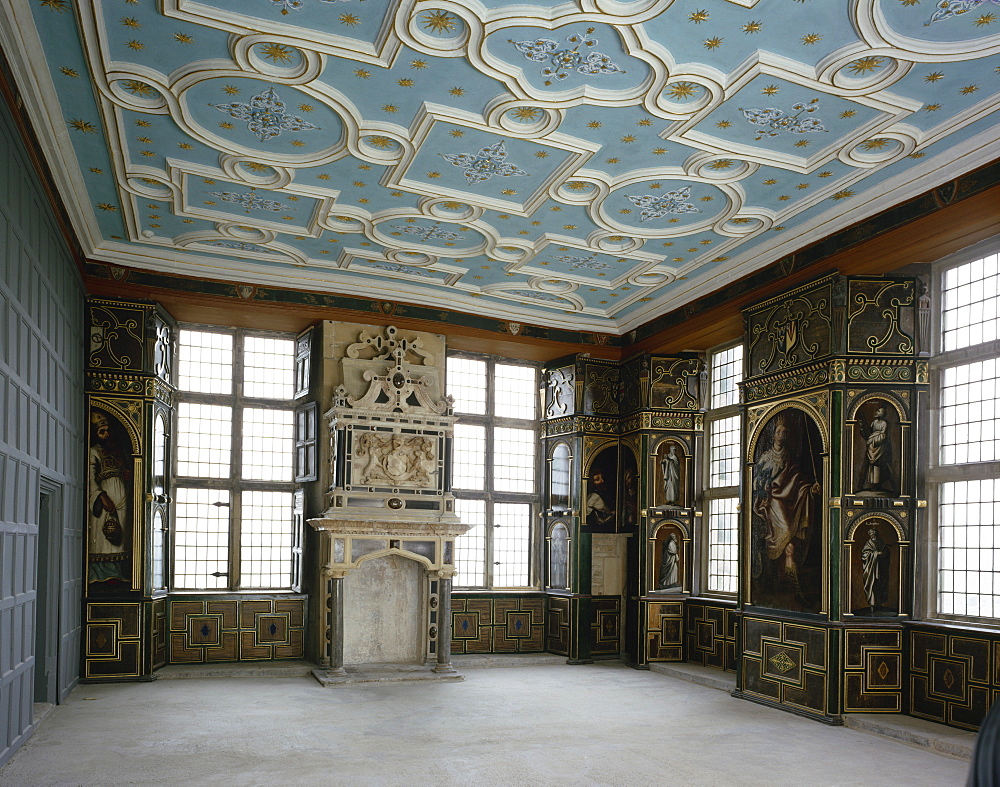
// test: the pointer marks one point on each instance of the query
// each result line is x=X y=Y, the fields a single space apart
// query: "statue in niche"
x=875 y=571
x=669 y=575
x=394 y=458
x=670 y=471
x=786 y=567
x=109 y=482
x=876 y=478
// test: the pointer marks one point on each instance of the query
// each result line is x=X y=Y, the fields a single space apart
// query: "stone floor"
x=600 y=724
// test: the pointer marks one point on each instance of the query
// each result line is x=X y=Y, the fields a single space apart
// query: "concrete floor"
x=601 y=724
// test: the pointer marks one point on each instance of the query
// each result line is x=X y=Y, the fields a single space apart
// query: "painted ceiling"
x=586 y=164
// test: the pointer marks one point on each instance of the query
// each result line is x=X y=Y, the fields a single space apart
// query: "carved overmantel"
x=387 y=488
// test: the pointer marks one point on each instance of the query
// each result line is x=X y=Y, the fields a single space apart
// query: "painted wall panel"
x=41 y=376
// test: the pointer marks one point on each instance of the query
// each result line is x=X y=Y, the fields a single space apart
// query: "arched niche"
x=560 y=472
x=876 y=556
x=668 y=558
x=558 y=542
x=878 y=426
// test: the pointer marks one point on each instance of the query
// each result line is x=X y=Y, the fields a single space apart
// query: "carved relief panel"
x=394 y=459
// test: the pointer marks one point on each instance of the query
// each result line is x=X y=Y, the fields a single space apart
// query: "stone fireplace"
x=387 y=537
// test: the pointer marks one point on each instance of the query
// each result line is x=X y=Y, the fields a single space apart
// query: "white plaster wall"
x=384 y=612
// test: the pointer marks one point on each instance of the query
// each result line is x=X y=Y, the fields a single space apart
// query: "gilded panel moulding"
x=562 y=426
x=597 y=425
x=640 y=421
x=119 y=384
x=878 y=370
x=788 y=382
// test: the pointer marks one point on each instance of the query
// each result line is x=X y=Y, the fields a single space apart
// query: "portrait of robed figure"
x=786 y=514
x=109 y=487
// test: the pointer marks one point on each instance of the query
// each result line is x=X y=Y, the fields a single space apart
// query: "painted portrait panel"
x=628 y=504
x=109 y=502
x=670 y=474
x=786 y=514
x=602 y=491
x=667 y=559
x=876 y=447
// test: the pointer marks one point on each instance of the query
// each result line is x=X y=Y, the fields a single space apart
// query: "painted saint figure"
x=630 y=497
x=876 y=468
x=783 y=488
x=108 y=502
x=670 y=469
x=669 y=576
x=875 y=570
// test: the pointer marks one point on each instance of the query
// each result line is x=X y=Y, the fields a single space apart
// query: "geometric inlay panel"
x=665 y=630
x=952 y=675
x=497 y=624
x=605 y=627
x=209 y=630
x=711 y=634
x=113 y=640
x=786 y=663
x=873 y=664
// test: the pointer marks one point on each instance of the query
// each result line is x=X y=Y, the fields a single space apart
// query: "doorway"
x=47 y=606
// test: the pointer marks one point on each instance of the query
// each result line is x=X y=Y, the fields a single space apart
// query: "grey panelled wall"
x=41 y=448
